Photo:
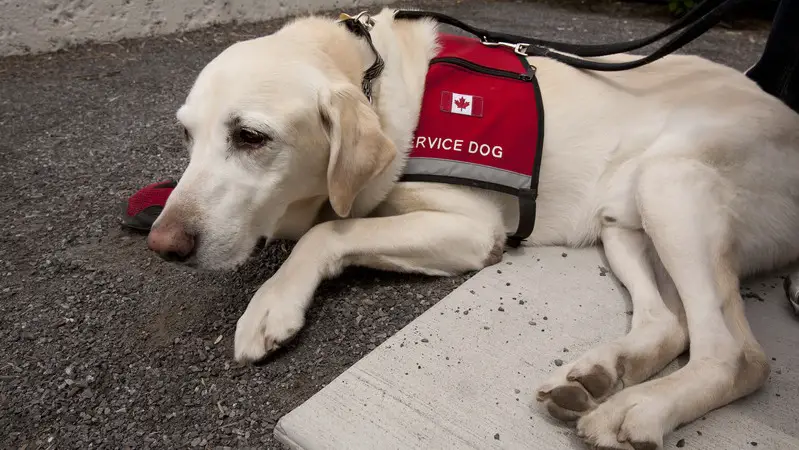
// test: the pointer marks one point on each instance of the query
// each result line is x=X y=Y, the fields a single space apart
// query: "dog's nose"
x=171 y=241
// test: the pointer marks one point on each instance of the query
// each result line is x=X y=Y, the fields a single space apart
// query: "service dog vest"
x=481 y=124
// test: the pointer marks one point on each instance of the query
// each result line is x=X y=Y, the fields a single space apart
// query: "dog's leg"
x=683 y=208
x=656 y=336
x=428 y=242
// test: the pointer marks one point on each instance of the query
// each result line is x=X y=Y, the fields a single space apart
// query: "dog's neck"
x=406 y=47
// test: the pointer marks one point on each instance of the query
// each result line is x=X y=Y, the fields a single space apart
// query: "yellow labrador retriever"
x=684 y=170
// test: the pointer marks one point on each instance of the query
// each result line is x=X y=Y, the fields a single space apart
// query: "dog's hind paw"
x=577 y=388
x=629 y=420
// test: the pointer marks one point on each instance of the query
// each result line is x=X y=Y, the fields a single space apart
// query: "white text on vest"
x=456 y=145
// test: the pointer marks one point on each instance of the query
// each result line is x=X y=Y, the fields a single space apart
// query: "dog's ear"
x=359 y=151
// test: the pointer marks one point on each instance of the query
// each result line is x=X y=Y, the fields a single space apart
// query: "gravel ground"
x=107 y=346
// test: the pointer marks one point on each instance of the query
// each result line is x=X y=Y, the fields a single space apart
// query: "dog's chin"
x=217 y=260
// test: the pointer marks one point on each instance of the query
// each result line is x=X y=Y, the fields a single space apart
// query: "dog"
x=683 y=170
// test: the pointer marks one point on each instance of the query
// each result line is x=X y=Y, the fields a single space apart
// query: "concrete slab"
x=463 y=375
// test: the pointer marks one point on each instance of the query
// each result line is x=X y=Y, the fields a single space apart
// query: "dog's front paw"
x=266 y=325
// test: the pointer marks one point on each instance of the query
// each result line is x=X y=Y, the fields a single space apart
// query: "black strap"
x=705 y=23
x=527 y=212
x=362 y=29
x=587 y=50
x=698 y=21
x=527 y=197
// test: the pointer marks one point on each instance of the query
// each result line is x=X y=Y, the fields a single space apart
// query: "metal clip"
x=363 y=17
x=519 y=49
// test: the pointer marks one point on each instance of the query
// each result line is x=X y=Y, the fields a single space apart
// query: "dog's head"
x=271 y=124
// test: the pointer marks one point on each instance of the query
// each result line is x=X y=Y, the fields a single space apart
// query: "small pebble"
x=754 y=444
x=565 y=350
x=558 y=362
x=564 y=255
x=681 y=443
x=496 y=436
x=501 y=309
x=425 y=340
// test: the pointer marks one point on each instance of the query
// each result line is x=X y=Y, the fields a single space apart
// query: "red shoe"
x=145 y=205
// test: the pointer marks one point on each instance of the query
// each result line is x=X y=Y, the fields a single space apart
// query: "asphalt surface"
x=104 y=345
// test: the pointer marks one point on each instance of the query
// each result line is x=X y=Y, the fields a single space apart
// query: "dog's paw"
x=263 y=329
x=628 y=420
x=577 y=388
x=565 y=400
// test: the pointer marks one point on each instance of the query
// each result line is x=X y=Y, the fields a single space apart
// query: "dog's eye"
x=249 y=138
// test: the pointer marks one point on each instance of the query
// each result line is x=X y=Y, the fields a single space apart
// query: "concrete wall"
x=35 y=26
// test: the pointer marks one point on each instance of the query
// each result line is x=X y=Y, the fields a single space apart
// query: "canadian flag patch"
x=467 y=105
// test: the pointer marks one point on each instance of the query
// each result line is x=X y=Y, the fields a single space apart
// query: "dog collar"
x=361 y=25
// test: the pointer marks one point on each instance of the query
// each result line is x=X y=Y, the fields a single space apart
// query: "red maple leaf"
x=461 y=103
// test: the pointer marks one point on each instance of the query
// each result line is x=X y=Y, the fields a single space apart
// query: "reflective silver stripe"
x=469 y=171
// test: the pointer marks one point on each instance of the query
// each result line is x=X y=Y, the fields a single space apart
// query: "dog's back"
x=680 y=107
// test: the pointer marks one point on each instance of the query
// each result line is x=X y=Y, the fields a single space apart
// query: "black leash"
x=695 y=23
x=702 y=18
x=361 y=25
x=586 y=50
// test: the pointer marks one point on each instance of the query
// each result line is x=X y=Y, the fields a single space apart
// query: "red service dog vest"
x=481 y=124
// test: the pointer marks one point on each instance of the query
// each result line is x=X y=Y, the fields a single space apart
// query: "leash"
x=695 y=23
x=585 y=50
x=361 y=25
x=702 y=18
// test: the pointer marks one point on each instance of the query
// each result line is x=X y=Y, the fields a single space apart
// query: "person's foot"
x=146 y=205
